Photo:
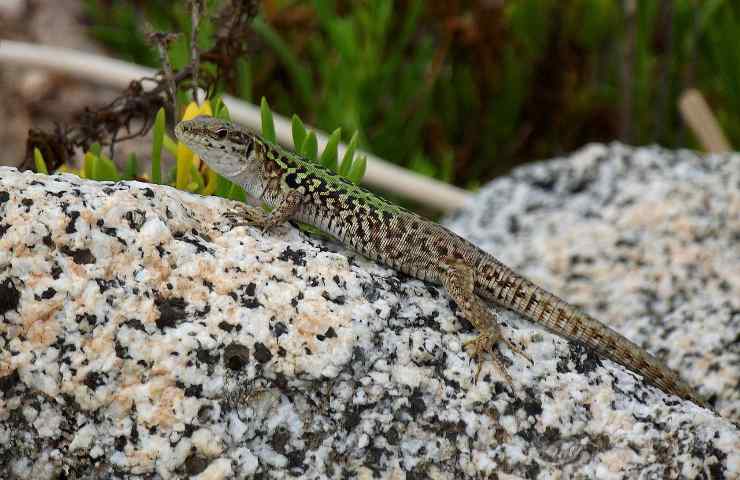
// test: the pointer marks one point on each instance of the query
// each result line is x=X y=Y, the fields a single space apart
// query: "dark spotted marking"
x=10 y=296
x=82 y=256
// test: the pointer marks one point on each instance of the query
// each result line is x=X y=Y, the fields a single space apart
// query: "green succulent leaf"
x=346 y=164
x=220 y=110
x=357 y=170
x=95 y=149
x=197 y=184
x=310 y=148
x=103 y=169
x=329 y=156
x=38 y=160
x=299 y=132
x=237 y=193
x=132 y=167
x=268 y=125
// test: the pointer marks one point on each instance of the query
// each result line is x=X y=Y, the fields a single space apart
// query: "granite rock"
x=142 y=335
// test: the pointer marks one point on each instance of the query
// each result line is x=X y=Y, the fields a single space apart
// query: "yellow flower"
x=185 y=157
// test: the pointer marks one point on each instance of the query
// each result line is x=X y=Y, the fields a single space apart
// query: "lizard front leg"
x=255 y=216
x=459 y=281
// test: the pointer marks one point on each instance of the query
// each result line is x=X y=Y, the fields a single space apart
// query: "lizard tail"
x=501 y=285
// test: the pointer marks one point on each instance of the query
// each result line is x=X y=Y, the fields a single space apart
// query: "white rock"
x=145 y=336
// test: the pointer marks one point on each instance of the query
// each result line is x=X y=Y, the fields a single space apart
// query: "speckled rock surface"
x=142 y=336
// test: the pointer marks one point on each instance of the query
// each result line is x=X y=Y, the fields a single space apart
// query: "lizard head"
x=224 y=146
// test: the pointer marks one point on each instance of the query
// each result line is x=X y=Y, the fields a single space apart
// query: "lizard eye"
x=221 y=133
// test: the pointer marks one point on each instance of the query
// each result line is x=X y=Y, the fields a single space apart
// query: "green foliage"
x=299 y=132
x=329 y=157
x=462 y=91
x=98 y=166
x=132 y=167
x=310 y=148
x=357 y=169
x=219 y=109
x=268 y=126
x=39 y=162
x=351 y=167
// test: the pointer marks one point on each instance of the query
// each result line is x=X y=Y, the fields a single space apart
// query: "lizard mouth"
x=183 y=133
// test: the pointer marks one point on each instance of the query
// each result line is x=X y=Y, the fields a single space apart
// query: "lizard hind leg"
x=459 y=281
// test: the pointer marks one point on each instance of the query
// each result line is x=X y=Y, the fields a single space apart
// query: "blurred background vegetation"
x=463 y=91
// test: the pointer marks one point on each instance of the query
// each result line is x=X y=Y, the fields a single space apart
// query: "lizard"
x=299 y=189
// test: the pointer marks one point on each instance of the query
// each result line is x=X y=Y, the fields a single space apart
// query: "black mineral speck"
x=295 y=256
x=95 y=379
x=194 y=391
x=148 y=192
x=236 y=356
x=171 y=310
x=194 y=241
x=296 y=460
x=261 y=353
x=72 y=225
x=250 y=303
x=339 y=299
x=9 y=296
x=392 y=436
x=195 y=464
x=205 y=356
x=119 y=443
x=135 y=218
x=48 y=293
x=82 y=256
x=121 y=350
x=279 y=329
x=532 y=407
x=204 y=413
x=9 y=381
x=250 y=289
x=105 y=285
x=371 y=291
x=584 y=360
x=225 y=326
x=4 y=197
x=27 y=202
x=59 y=194
x=135 y=324
x=416 y=403
x=91 y=319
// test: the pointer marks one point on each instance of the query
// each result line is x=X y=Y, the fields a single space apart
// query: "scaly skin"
x=301 y=190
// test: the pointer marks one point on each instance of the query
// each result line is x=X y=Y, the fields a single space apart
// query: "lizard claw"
x=486 y=343
x=243 y=215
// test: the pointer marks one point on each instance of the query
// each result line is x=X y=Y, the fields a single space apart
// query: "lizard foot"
x=244 y=215
x=256 y=217
x=486 y=342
